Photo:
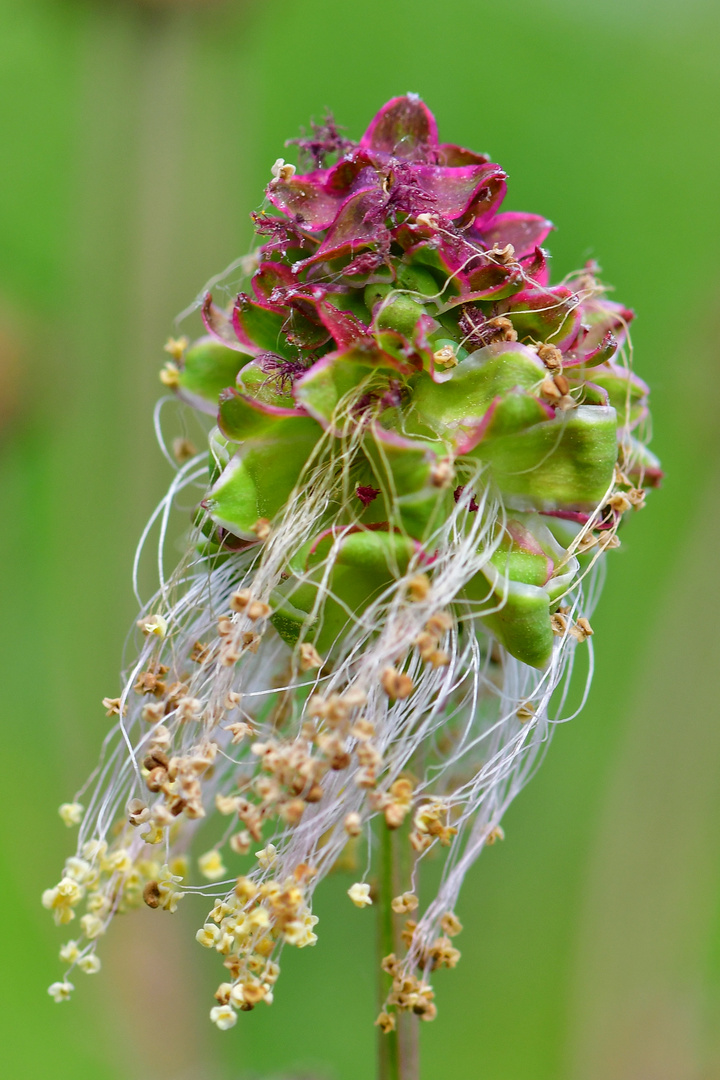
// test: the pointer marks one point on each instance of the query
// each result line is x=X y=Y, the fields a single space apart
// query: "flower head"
x=420 y=452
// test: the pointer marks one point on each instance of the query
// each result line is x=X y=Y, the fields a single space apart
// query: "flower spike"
x=419 y=452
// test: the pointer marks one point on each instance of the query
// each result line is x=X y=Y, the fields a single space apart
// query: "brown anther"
x=502 y=328
x=153 y=712
x=418 y=587
x=504 y=254
x=112 y=705
x=494 y=835
x=566 y=403
x=420 y=841
x=445 y=835
x=315 y=794
x=450 y=924
x=562 y=384
x=251 y=642
x=396 y=684
x=395 y=814
x=200 y=652
x=156 y=759
x=222 y=994
x=587 y=541
x=619 y=502
x=353 y=824
x=225 y=626
x=261 y=528
x=151 y=894
x=253 y=993
x=445 y=357
x=558 y=624
x=293 y=811
x=390 y=965
x=183 y=450
x=238 y=731
x=442 y=473
x=240 y=842
x=549 y=390
x=439 y=658
x=156 y=779
x=407 y=934
x=137 y=812
x=362 y=729
x=309 y=657
x=551 y=357
x=525 y=712
x=239 y=600
x=636 y=498
x=149 y=682
x=439 y=623
x=607 y=541
x=386 y=1022
x=426 y=644
x=401 y=905
x=258 y=610
x=582 y=630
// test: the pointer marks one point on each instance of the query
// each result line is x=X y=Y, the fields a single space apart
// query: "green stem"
x=398 y=1051
x=388 y=1044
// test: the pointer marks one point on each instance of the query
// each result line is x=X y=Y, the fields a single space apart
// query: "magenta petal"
x=404 y=128
x=343 y=325
x=305 y=199
x=270 y=276
x=219 y=325
x=452 y=155
x=353 y=227
x=456 y=191
x=524 y=231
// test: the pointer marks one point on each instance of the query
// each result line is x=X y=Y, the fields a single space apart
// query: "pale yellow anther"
x=208 y=935
x=170 y=375
x=282 y=171
x=258 y=919
x=153 y=624
x=70 y=952
x=405 y=903
x=60 y=991
x=450 y=924
x=495 y=834
x=92 y=925
x=176 y=347
x=223 y=1016
x=90 y=963
x=359 y=893
x=71 y=813
x=211 y=865
x=266 y=856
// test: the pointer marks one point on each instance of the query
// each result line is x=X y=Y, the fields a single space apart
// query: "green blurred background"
x=135 y=138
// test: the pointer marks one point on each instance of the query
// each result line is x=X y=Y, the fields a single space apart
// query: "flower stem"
x=398 y=1051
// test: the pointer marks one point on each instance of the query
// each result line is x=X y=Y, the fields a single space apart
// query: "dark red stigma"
x=366 y=495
